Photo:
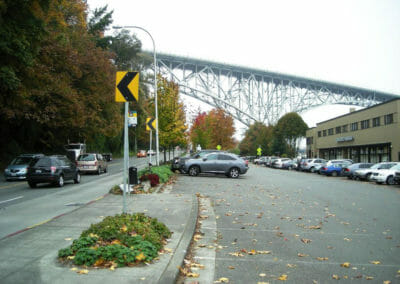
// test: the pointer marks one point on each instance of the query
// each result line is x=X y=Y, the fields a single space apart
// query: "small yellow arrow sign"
x=127 y=86
x=151 y=124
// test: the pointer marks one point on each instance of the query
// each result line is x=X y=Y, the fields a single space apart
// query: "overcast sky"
x=343 y=41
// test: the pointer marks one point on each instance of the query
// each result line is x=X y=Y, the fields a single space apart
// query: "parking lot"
x=276 y=224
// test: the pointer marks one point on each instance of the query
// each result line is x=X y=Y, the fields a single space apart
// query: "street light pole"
x=155 y=83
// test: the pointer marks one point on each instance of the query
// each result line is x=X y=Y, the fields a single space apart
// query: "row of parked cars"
x=384 y=172
x=211 y=161
x=54 y=169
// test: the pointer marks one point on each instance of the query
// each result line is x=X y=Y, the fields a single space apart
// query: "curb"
x=171 y=272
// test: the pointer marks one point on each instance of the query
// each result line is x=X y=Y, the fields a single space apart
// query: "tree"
x=200 y=133
x=257 y=135
x=290 y=128
x=222 y=129
x=171 y=114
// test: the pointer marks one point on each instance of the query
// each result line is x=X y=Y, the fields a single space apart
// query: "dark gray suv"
x=52 y=169
x=178 y=163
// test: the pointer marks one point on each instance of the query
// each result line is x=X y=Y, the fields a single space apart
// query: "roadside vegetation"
x=121 y=240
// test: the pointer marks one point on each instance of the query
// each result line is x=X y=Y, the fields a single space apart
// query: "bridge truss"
x=251 y=95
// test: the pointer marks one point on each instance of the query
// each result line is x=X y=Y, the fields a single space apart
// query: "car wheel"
x=312 y=170
x=60 y=182
x=32 y=184
x=77 y=178
x=105 y=169
x=98 y=171
x=390 y=180
x=194 y=171
x=334 y=173
x=368 y=177
x=234 y=173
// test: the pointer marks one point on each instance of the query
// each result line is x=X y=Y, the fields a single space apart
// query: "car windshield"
x=21 y=161
x=87 y=157
x=72 y=147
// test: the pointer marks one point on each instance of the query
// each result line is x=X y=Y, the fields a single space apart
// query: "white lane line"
x=4 y=201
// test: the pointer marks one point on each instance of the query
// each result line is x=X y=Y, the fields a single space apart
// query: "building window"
x=310 y=140
x=344 y=128
x=389 y=118
x=354 y=126
x=324 y=132
x=319 y=133
x=376 y=121
x=338 y=130
x=365 y=124
x=330 y=131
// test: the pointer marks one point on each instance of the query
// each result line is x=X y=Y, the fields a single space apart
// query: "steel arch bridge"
x=251 y=95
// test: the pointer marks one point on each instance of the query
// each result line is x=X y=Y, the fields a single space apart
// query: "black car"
x=52 y=169
x=179 y=162
x=350 y=169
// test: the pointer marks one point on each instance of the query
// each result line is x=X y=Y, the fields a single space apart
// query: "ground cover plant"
x=117 y=241
x=156 y=175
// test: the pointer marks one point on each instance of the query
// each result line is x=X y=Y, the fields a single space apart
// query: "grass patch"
x=121 y=240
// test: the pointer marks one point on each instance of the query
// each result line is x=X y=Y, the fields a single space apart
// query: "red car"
x=141 y=154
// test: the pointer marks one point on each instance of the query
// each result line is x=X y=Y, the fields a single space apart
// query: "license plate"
x=38 y=171
x=85 y=167
x=13 y=175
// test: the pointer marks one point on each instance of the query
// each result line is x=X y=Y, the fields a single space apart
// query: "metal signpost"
x=126 y=90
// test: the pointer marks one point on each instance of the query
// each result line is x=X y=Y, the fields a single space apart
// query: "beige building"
x=368 y=135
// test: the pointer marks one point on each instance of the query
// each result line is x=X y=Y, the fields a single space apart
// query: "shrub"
x=163 y=172
x=153 y=178
x=124 y=240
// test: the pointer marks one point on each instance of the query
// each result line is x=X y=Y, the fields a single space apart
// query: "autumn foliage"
x=213 y=128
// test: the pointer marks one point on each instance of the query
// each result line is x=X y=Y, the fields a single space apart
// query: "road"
x=22 y=207
x=303 y=228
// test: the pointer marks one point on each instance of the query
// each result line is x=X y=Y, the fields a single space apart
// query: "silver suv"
x=311 y=165
x=218 y=163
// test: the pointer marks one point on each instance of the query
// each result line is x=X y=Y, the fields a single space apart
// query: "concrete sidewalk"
x=31 y=256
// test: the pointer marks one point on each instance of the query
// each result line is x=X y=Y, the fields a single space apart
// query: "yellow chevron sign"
x=127 y=86
x=151 y=124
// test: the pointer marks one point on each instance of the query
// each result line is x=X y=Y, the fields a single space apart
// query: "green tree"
x=290 y=128
x=257 y=135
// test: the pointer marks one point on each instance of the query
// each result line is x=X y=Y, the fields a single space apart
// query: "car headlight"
x=23 y=171
x=7 y=170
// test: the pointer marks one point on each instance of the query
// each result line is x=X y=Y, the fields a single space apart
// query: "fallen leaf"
x=302 y=255
x=124 y=228
x=70 y=257
x=141 y=256
x=306 y=241
x=322 y=258
x=317 y=227
x=192 y=275
x=263 y=252
x=347 y=239
x=334 y=276
x=262 y=274
x=387 y=282
x=283 y=277
x=231 y=267
x=222 y=280
x=74 y=269
x=262 y=282
x=68 y=239
x=197 y=265
x=83 y=271
x=375 y=262
x=345 y=264
x=252 y=252
x=358 y=276
x=291 y=265
x=369 y=277
x=236 y=254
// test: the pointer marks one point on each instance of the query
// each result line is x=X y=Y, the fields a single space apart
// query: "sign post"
x=126 y=90
x=151 y=124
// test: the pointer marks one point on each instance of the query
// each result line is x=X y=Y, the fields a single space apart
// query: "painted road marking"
x=4 y=201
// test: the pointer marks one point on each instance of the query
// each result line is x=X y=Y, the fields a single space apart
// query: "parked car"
x=334 y=167
x=179 y=162
x=260 y=161
x=91 y=163
x=18 y=167
x=310 y=165
x=151 y=152
x=52 y=169
x=385 y=175
x=141 y=154
x=270 y=160
x=107 y=157
x=278 y=163
x=218 y=163
x=350 y=170
x=365 y=174
x=290 y=164
x=397 y=177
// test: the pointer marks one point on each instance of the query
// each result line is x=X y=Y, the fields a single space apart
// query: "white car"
x=385 y=175
x=366 y=174
x=311 y=165
x=278 y=163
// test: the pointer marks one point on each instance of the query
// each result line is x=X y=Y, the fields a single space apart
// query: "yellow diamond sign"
x=127 y=86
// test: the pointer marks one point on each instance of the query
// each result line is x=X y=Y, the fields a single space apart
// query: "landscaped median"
x=122 y=240
x=151 y=179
